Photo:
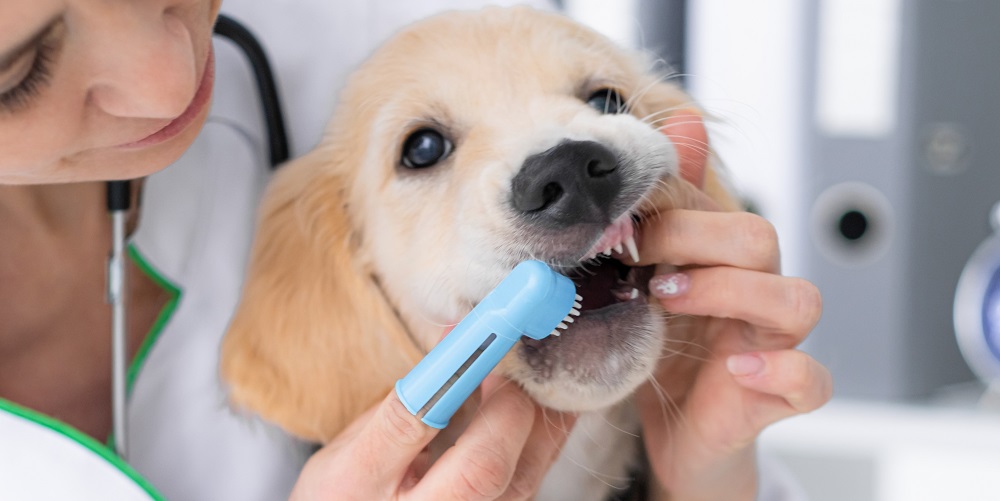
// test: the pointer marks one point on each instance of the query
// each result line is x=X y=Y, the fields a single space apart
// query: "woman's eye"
x=607 y=101
x=424 y=148
x=30 y=73
x=14 y=72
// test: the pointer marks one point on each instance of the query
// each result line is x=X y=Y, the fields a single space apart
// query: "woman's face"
x=101 y=89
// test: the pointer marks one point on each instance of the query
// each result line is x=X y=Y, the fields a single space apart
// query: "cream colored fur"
x=335 y=307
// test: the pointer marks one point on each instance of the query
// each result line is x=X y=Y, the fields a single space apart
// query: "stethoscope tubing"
x=119 y=199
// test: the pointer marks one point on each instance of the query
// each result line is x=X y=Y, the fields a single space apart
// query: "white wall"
x=744 y=60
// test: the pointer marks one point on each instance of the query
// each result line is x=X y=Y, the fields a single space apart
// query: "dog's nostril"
x=599 y=168
x=550 y=194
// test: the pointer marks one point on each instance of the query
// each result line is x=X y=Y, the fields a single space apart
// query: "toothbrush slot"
x=455 y=377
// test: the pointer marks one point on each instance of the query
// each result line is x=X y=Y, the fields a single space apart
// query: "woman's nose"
x=147 y=69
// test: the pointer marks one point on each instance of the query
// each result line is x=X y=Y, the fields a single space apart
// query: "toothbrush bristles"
x=573 y=312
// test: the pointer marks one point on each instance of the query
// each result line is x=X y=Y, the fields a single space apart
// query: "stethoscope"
x=119 y=198
x=977 y=310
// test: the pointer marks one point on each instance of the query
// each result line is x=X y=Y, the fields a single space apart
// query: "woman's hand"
x=734 y=369
x=504 y=453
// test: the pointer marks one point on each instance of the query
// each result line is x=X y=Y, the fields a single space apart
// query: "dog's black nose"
x=574 y=182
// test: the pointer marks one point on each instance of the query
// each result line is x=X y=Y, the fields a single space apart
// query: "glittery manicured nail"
x=671 y=285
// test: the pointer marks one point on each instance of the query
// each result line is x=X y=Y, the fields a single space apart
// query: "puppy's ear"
x=663 y=99
x=314 y=343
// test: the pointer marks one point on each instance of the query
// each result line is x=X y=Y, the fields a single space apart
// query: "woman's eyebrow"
x=7 y=59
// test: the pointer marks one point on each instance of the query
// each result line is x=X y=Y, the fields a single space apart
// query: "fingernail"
x=745 y=364
x=670 y=285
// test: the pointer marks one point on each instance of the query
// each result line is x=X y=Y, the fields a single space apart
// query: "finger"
x=802 y=383
x=686 y=129
x=773 y=303
x=386 y=446
x=483 y=460
x=543 y=446
x=689 y=237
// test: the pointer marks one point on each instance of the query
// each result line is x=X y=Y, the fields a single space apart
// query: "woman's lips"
x=201 y=99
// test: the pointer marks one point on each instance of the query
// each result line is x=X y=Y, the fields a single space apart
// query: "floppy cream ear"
x=314 y=343
x=660 y=101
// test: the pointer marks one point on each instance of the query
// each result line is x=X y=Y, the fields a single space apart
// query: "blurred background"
x=868 y=132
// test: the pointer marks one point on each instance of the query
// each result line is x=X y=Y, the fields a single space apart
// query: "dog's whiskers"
x=601 y=477
x=662 y=114
x=671 y=353
x=671 y=410
x=612 y=425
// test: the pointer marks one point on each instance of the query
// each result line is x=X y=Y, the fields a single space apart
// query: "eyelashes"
x=21 y=96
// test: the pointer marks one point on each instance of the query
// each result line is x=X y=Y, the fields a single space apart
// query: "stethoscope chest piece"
x=977 y=308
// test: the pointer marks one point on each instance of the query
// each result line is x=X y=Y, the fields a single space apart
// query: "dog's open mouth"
x=609 y=282
x=603 y=279
x=605 y=344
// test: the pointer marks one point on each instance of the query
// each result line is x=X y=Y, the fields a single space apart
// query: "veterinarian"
x=95 y=90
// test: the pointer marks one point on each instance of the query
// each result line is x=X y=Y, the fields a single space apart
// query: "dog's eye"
x=607 y=101
x=425 y=148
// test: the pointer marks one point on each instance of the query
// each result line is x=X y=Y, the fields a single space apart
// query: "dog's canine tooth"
x=633 y=252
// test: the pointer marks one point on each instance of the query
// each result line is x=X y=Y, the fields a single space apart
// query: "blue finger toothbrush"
x=532 y=301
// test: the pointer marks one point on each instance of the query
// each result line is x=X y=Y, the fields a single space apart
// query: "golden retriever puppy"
x=467 y=143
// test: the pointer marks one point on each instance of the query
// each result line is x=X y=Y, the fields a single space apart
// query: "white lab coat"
x=185 y=443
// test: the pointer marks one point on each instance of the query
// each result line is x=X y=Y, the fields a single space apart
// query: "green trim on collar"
x=154 y=332
x=83 y=439
x=161 y=320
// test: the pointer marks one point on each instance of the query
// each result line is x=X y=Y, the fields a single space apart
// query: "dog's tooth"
x=618 y=248
x=576 y=304
x=633 y=251
x=607 y=252
x=634 y=294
